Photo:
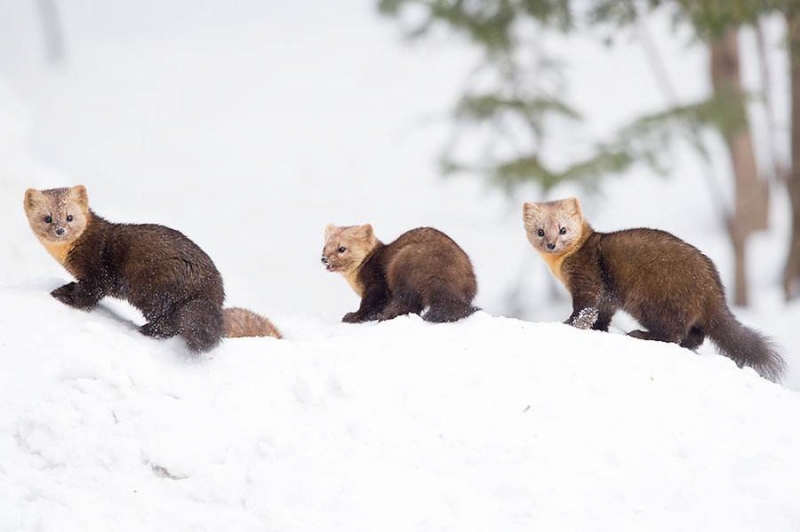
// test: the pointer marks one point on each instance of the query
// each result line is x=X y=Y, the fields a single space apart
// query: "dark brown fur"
x=672 y=289
x=422 y=269
x=156 y=269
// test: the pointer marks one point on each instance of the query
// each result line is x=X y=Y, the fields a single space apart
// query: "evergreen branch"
x=482 y=107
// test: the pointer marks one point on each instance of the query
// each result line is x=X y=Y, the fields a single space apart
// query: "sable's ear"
x=366 y=231
x=79 y=195
x=573 y=206
x=329 y=230
x=32 y=198
x=530 y=212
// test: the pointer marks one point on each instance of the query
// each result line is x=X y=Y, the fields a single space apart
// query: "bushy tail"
x=241 y=322
x=200 y=323
x=447 y=311
x=747 y=347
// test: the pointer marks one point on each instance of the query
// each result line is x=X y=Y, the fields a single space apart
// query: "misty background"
x=250 y=125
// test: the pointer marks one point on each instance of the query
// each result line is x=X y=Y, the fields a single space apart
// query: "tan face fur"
x=553 y=227
x=347 y=247
x=58 y=217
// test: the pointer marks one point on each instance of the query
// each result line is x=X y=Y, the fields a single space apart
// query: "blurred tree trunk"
x=791 y=276
x=51 y=29
x=750 y=192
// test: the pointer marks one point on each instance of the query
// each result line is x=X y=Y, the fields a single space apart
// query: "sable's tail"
x=746 y=346
x=447 y=311
x=241 y=322
x=200 y=323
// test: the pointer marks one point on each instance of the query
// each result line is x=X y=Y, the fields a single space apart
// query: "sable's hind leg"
x=404 y=301
x=659 y=336
x=395 y=309
x=694 y=339
x=665 y=323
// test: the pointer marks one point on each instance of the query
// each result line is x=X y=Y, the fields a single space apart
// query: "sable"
x=158 y=270
x=671 y=288
x=423 y=270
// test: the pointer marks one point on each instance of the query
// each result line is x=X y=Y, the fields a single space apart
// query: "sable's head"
x=347 y=247
x=58 y=215
x=553 y=227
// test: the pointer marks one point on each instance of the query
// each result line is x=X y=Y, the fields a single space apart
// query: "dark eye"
x=341 y=249
x=69 y=218
x=540 y=232
x=562 y=231
x=48 y=219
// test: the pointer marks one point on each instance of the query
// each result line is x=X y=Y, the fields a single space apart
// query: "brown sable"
x=672 y=289
x=156 y=269
x=423 y=270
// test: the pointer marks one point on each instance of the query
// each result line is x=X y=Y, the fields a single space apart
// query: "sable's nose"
x=551 y=245
x=60 y=231
x=324 y=260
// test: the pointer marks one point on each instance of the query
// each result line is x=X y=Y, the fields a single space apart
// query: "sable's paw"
x=156 y=329
x=65 y=294
x=352 y=317
x=585 y=318
x=148 y=329
x=640 y=334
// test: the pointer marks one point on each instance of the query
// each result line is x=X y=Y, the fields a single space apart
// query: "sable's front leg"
x=585 y=306
x=82 y=295
x=372 y=303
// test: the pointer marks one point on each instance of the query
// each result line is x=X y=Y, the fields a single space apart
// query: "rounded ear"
x=32 y=196
x=528 y=207
x=79 y=195
x=530 y=211
x=329 y=230
x=573 y=205
x=366 y=231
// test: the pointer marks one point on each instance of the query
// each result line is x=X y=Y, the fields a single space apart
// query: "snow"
x=484 y=424
x=250 y=130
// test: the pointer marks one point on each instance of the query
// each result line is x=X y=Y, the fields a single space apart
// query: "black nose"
x=324 y=260
x=551 y=245
x=60 y=231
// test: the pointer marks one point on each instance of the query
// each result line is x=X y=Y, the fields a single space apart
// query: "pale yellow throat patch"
x=352 y=280
x=58 y=250
x=554 y=262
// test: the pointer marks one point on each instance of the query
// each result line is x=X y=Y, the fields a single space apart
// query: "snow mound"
x=487 y=424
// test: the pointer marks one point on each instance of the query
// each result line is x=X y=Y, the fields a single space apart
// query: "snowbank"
x=487 y=424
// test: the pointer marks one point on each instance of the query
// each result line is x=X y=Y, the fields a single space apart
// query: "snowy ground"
x=488 y=424
x=249 y=131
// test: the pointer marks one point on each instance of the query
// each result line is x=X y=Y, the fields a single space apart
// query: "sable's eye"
x=562 y=231
x=341 y=249
x=540 y=232
x=48 y=219
x=69 y=218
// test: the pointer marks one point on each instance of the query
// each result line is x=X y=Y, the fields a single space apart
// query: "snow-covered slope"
x=488 y=424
